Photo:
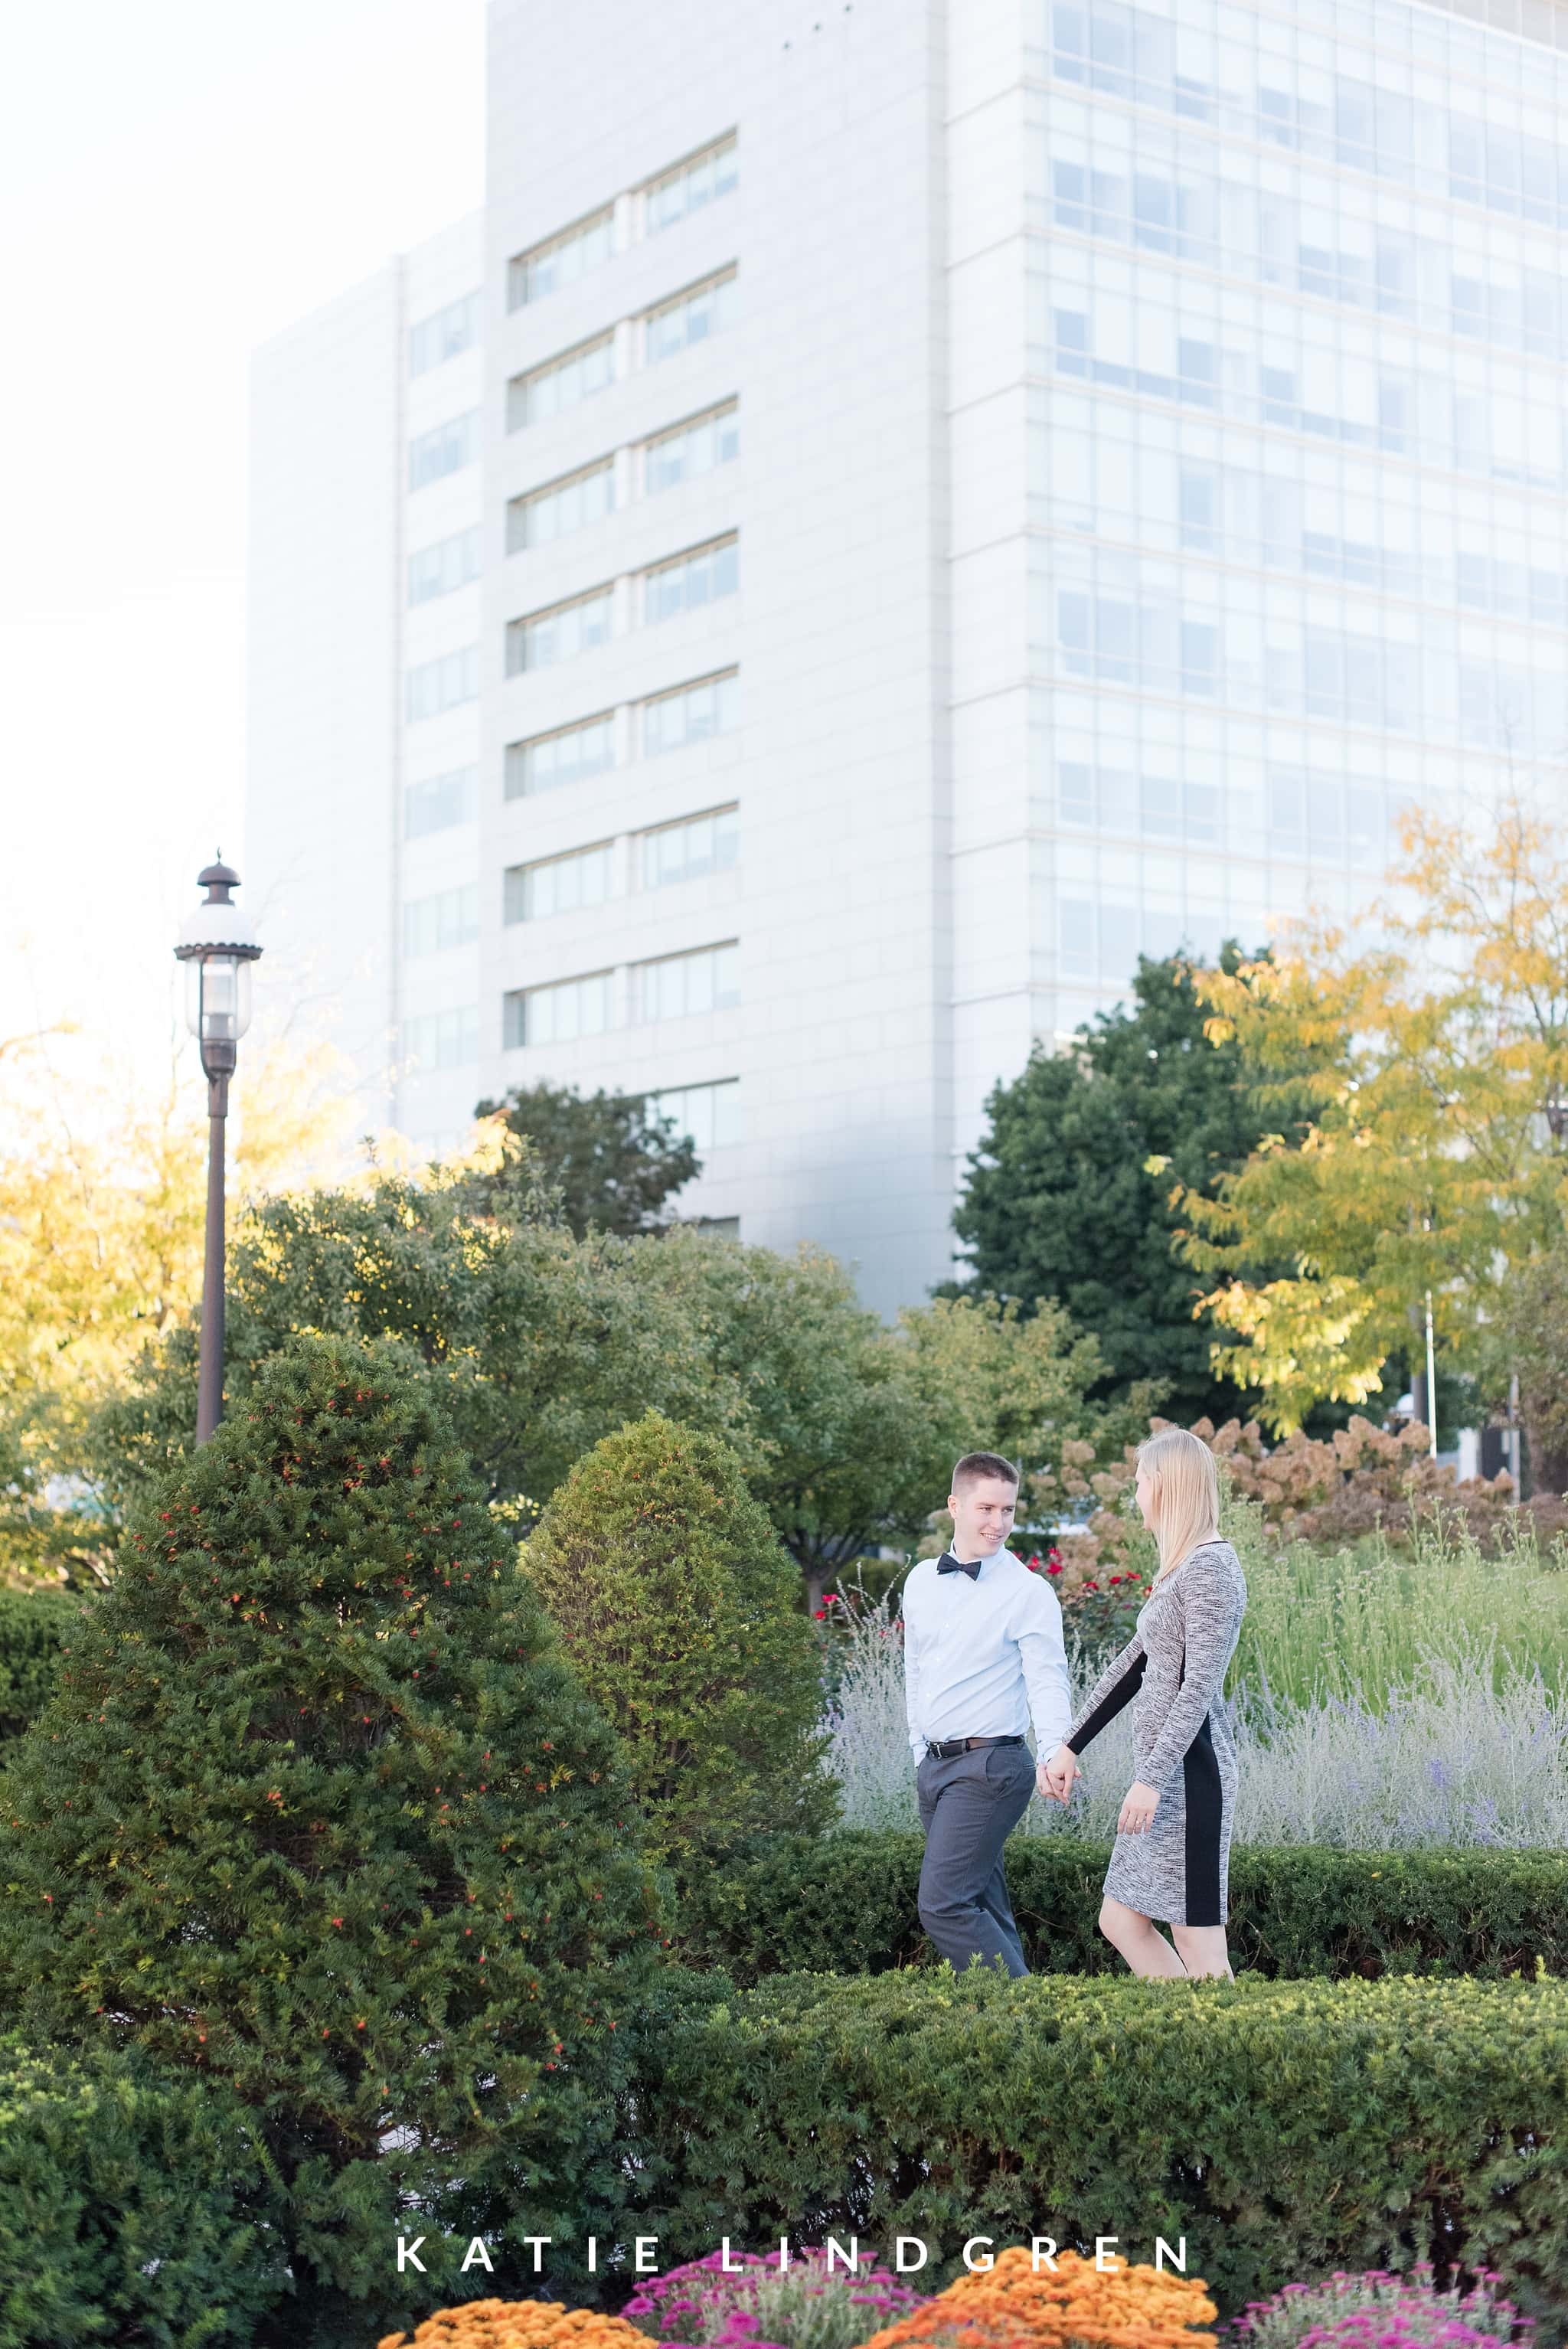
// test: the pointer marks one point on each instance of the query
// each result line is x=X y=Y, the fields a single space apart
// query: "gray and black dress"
x=1176 y=1868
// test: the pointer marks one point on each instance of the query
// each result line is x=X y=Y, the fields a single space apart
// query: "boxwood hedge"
x=1285 y=2128
x=845 y=1903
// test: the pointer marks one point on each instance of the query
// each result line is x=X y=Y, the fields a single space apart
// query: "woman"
x=1174 y=1835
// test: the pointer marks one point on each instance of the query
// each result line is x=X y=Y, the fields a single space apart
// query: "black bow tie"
x=948 y=1564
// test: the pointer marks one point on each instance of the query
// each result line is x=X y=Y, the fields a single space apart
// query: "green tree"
x=615 y=1158
x=320 y=1811
x=536 y=1343
x=988 y=1376
x=836 y=1444
x=680 y=1614
x=1061 y=1199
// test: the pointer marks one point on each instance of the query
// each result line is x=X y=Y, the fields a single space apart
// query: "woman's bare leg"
x=1128 y=1930
x=1204 y=1949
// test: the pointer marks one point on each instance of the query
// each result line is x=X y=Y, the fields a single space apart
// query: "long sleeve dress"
x=1177 y=1868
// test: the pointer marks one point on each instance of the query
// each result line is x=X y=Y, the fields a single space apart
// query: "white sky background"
x=178 y=180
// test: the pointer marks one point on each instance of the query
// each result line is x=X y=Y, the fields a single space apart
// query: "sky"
x=180 y=180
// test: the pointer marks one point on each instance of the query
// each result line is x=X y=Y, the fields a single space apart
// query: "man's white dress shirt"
x=982 y=1655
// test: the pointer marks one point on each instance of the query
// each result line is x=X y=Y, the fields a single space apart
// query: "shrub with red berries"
x=320 y=1811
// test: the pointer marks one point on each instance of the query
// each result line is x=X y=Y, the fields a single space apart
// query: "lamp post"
x=217 y=946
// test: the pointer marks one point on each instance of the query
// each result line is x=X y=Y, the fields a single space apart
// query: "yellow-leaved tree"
x=102 y=1215
x=1421 y=1087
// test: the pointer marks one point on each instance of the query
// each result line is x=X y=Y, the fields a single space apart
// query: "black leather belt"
x=946 y=1747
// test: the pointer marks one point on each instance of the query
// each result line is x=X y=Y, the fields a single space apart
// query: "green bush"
x=33 y=1626
x=135 y=2206
x=845 y=1903
x=1285 y=2128
x=678 y=1610
x=319 y=1811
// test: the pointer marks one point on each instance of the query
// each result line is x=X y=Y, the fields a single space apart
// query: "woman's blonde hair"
x=1180 y=1467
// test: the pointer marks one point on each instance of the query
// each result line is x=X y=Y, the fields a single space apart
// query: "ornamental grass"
x=1123 y=2307
x=517 y=2325
x=756 y=2304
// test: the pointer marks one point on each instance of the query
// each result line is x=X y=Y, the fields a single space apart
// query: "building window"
x=558 y=1014
x=557 y=885
x=703 y=310
x=560 y=259
x=709 y=1114
x=690 y=185
x=449 y=918
x=450 y=564
x=692 y=448
x=546 y=514
x=547 y=391
x=441 y=1039
x=567 y=756
x=443 y=335
x=439 y=685
x=692 y=580
x=544 y=637
x=445 y=450
x=677 y=987
x=440 y=801
x=699 y=844
x=691 y=713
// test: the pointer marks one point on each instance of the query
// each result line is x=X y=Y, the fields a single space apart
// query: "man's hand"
x=1054 y=1779
x=1138 y=1808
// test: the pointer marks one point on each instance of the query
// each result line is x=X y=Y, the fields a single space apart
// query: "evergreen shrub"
x=33 y=1626
x=845 y=1903
x=1285 y=2128
x=318 y=1811
x=680 y=1612
x=135 y=2206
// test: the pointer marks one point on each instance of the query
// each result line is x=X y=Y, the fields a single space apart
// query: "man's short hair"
x=975 y=1464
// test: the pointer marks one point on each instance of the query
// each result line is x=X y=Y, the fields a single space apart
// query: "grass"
x=1366 y=1620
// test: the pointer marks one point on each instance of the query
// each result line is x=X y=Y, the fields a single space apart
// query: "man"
x=983 y=1651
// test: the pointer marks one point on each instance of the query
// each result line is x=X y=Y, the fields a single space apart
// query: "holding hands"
x=1055 y=1779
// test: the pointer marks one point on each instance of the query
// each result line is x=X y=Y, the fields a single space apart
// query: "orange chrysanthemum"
x=518 y=2324
x=1124 y=2307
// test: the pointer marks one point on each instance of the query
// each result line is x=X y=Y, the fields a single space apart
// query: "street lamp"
x=217 y=946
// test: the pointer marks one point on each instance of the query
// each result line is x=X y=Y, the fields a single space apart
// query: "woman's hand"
x=1138 y=1807
x=1056 y=1776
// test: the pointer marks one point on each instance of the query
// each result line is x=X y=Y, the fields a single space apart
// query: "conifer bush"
x=135 y=2206
x=33 y=1626
x=320 y=1812
x=677 y=1607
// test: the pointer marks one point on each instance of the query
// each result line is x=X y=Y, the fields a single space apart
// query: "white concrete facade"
x=332 y=753
x=1091 y=547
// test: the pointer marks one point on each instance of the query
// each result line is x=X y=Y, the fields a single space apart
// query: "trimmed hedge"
x=33 y=1625
x=133 y=2207
x=1285 y=2128
x=846 y=1904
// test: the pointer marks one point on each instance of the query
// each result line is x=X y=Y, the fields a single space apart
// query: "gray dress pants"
x=969 y=1804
